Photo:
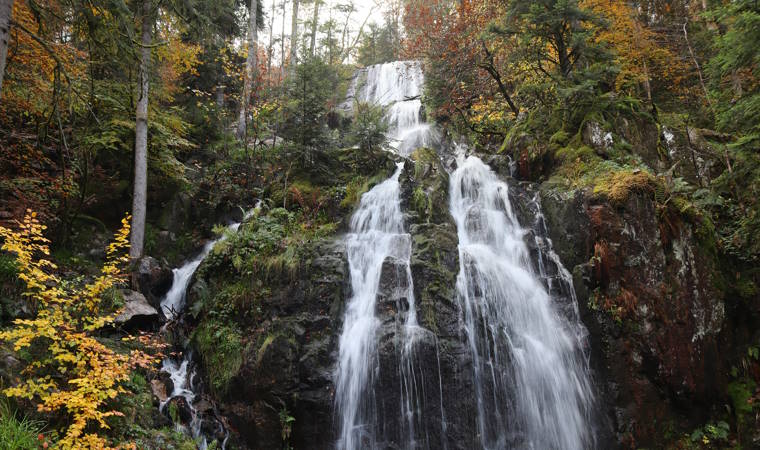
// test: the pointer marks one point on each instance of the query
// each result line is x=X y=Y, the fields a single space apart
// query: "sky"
x=373 y=8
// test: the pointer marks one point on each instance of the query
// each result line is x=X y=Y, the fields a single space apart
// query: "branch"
x=58 y=61
x=358 y=36
x=491 y=69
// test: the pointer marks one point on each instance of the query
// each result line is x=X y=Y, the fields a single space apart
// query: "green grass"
x=18 y=432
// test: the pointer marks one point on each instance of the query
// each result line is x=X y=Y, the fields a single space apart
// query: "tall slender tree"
x=314 y=25
x=139 y=197
x=294 y=39
x=251 y=67
x=6 y=10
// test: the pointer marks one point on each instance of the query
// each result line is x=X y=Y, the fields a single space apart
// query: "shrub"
x=68 y=372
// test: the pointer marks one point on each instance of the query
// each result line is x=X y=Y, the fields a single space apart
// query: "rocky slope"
x=665 y=321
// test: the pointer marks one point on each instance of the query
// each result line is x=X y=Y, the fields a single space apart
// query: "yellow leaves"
x=88 y=373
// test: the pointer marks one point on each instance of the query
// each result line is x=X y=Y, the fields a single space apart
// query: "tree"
x=553 y=33
x=637 y=51
x=140 y=195
x=6 y=10
x=251 y=66
x=314 y=26
x=294 y=39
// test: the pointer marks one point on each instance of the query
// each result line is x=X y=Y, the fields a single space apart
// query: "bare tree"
x=6 y=9
x=251 y=66
x=140 y=195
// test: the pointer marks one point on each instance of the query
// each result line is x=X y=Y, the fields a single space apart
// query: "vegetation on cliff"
x=643 y=116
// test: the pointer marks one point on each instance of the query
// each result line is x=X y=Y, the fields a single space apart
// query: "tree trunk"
x=294 y=39
x=6 y=10
x=314 y=25
x=139 y=198
x=282 y=44
x=251 y=66
x=270 y=47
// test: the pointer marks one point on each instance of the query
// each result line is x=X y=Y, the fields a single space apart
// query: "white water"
x=531 y=376
x=377 y=236
x=398 y=87
x=182 y=372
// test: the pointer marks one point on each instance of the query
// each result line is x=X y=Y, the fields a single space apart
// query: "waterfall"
x=531 y=376
x=397 y=86
x=181 y=370
x=378 y=248
x=376 y=235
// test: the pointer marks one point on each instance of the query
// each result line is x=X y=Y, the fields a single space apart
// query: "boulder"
x=159 y=390
x=137 y=312
x=153 y=279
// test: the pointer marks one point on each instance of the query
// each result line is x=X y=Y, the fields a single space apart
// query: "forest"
x=380 y=224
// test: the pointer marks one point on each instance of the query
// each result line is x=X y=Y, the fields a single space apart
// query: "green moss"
x=221 y=348
x=263 y=347
x=741 y=392
x=559 y=138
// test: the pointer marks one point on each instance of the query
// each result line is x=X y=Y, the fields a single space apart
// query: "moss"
x=741 y=393
x=618 y=186
x=263 y=347
x=221 y=348
x=559 y=138
x=357 y=187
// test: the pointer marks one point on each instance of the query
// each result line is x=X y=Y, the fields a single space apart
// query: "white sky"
x=373 y=8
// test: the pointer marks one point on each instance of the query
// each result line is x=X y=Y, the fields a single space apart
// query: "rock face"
x=649 y=292
x=153 y=279
x=648 y=285
x=137 y=312
x=283 y=383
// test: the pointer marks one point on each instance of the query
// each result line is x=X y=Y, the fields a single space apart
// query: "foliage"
x=711 y=434
x=369 y=127
x=221 y=350
x=68 y=371
x=305 y=126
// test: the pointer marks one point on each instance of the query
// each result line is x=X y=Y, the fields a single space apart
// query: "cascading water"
x=376 y=240
x=376 y=234
x=396 y=86
x=182 y=371
x=531 y=376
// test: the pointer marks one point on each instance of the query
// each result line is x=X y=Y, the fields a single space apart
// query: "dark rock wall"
x=651 y=295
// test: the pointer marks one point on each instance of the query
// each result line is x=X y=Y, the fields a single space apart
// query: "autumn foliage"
x=69 y=372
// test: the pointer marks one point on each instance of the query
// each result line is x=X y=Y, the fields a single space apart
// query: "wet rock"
x=153 y=279
x=158 y=388
x=648 y=292
x=137 y=312
x=179 y=410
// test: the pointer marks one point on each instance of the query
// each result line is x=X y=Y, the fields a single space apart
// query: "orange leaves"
x=31 y=68
x=88 y=374
x=639 y=55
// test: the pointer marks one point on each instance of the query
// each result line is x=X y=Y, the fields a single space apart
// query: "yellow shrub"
x=68 y=372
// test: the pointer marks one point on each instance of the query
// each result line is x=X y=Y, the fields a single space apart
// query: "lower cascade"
x=377 y=236
x=531 y=376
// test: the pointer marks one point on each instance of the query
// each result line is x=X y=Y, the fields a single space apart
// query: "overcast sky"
x=373 y=8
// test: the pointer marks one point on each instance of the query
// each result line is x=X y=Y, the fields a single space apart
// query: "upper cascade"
x=397 y=86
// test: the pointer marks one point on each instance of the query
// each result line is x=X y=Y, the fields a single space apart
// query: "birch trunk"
x=140 y=195
x=251 y=66
x=294 y=39
x=314 y=25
